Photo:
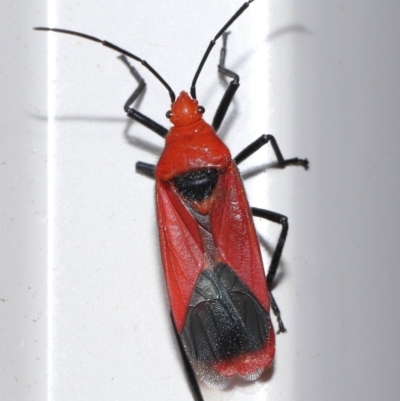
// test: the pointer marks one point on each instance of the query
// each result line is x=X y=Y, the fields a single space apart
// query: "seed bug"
x=219 y=295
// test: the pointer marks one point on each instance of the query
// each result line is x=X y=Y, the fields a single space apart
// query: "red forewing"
x=181 y=249
x=220 y=307
x=235 y=236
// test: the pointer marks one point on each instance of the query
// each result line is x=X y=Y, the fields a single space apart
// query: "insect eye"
x=168 y=114
x=201 y=109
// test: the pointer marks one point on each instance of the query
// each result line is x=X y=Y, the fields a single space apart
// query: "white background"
x=83 y=309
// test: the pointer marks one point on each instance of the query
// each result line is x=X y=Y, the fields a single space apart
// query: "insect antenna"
x=212 y=43
x=118 y=49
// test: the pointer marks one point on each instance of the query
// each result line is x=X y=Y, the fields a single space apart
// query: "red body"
x=192 y=145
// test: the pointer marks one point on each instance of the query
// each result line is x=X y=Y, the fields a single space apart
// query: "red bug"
x=219 y=296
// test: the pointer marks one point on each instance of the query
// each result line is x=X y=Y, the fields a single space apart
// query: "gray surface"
x=23 y=204
x=321 y=76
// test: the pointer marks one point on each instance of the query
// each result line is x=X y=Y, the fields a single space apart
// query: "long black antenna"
x=212 y=43
x=118 y=49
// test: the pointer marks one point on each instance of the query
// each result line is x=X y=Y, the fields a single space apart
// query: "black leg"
x=230 y=91
x=134 y=114
x=146 y=169
x=194 y=386
x=263 y=140
x=273 y=267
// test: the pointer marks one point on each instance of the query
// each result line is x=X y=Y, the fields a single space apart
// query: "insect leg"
x=273 y=267
x=263 y=140
x=146 y=169
x=230 y=91
x=134 y=114
x=194 y=386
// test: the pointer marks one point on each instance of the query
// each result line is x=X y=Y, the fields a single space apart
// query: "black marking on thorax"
x=198 y=185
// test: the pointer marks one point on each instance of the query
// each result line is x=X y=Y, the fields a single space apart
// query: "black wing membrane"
x=224 y=321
